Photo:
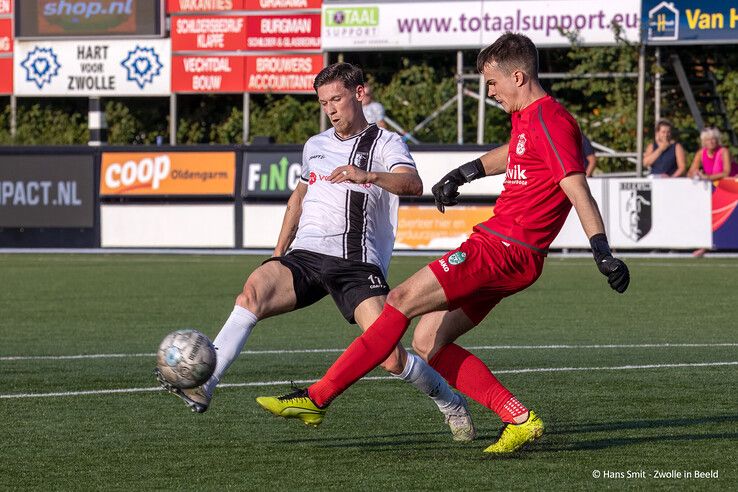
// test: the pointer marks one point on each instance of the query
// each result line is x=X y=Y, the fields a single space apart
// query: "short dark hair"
x=511 y=52
x=351 y=76
x=663 y=122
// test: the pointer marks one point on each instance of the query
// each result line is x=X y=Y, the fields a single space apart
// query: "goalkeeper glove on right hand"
x=446 y=190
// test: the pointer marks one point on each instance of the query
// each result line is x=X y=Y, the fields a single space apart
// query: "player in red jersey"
x=504 y=255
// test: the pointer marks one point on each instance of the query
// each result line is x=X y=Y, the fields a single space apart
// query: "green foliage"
x=605 y=107
x=136 y=121
x=289 y=119
x=43 y=125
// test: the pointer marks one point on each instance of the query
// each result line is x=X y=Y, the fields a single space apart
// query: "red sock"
x=364 y=354
x=467 y=373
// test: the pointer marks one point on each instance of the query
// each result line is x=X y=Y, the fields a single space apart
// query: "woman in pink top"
x=713 y=158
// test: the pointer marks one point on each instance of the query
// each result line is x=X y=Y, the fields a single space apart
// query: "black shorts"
x=349 y=283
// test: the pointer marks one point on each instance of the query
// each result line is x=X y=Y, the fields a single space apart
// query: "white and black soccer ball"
x=186 y=358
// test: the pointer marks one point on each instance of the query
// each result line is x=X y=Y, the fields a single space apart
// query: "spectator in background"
x=373 y=110
x=665 y=156
x=713 y=160
x=590 y=160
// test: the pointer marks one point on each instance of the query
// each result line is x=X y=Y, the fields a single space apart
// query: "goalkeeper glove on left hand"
x=614 y=269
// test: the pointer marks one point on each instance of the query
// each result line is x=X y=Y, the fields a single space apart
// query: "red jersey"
x=545 y=147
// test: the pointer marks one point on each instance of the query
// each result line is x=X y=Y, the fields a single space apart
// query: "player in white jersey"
x=340 y=222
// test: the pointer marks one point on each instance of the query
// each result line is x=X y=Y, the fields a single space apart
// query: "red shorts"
x=484 y=270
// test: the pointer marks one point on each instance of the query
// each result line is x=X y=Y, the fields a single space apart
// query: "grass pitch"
x=637 y=390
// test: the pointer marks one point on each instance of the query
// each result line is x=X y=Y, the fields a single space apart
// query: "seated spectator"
x=373 y=110
x=590 y=160
x=665 y=156
x=713 y=161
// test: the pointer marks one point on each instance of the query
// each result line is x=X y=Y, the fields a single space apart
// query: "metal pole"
x=657 y=87
x=481 y=110
x=246 y=116
x=323 y=117
x=173 y=119
x=459 y=97
x=639 y=116
x=96 y=123
x=13 y=116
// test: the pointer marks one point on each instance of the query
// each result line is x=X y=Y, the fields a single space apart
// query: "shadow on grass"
x=639 y=424
x=556 y=438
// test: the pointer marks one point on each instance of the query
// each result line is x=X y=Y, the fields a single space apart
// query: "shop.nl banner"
x=453 y=25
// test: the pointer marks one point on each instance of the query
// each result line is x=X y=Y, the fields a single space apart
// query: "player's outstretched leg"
x=228 y=345
x=422 y=376
x=194 y=398
x=295 y=405
x=515 y=436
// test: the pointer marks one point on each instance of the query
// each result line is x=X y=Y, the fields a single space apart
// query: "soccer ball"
x=186 y=358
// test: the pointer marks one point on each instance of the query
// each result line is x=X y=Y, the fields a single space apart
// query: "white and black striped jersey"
x=351 y=221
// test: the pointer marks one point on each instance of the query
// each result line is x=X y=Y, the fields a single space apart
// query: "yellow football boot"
x=515 y=436
x=297 y=405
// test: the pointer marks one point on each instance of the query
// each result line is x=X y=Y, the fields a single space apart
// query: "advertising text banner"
x=46 y=191
x=88 y=18
x=213 y=33
x=203 y=5
x=281 y=4
x=168 y=173
x=215 y=74
x=6 y=36
x=271 y=174
x=283 y=32
x=690 y=21
x=6 y=75
x=473 y=24
x=282 y=73
x=93 y=68
x=6 y=7
x=422 y=227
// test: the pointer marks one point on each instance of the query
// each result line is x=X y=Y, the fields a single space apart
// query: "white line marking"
x=10 y=358
x=373 y=378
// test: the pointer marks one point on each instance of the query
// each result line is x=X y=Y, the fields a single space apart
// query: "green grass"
x=381 y=435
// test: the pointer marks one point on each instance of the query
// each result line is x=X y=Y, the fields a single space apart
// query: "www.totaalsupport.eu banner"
x=473 y=24
x=93 y=68
x=690 y=21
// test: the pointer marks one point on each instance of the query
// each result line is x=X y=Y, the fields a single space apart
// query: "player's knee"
x=249 y=299
x=422 y=348
x=397 y=297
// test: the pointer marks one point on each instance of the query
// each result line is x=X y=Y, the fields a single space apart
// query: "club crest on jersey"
x=520 y=147
x=360 y=159
x=457 y=258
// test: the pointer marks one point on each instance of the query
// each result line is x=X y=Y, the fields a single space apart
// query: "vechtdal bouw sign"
x=690 y=21
x=92 y=68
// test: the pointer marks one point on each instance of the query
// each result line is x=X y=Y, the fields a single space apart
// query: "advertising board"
x=219 y=33
x=168 y=174
x=282 y=73
x=217 y=74
x=690 y=22
x=47 y=191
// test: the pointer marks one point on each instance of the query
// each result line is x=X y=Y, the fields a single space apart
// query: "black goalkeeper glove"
x=615 y=270
x=446 y=190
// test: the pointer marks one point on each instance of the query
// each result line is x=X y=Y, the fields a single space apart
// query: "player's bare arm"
x=402 y=180
x=495 y=160
x=576 y=189
x=291 y=220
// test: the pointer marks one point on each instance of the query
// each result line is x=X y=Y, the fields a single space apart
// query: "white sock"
x=421 y=375
x=229 y=342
